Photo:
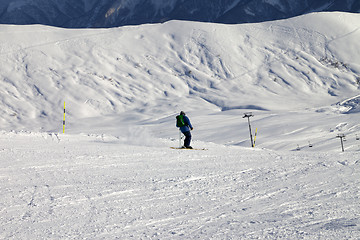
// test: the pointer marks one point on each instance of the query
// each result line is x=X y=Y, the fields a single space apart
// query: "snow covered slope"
x=295 y=75
x=113 y=175
x=96 y=187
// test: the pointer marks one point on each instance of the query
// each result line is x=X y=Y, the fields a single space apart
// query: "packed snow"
x=113 y=175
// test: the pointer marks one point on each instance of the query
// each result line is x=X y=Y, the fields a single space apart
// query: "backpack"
x=180 y=121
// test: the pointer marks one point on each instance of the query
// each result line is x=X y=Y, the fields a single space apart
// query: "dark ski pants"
x=187 y=138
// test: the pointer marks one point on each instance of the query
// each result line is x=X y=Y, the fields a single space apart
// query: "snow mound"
x=351 y=105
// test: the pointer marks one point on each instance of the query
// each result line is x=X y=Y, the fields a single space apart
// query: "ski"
x=188 y=148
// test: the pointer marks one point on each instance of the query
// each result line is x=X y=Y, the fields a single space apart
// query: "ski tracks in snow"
x=77 y=187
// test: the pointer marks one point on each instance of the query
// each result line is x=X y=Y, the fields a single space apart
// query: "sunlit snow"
x=113 y=175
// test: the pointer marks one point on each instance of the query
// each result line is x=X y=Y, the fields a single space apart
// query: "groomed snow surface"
x=96 y=187
x=113 y=175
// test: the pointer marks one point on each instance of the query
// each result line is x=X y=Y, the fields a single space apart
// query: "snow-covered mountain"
x=301 y=76
x=109 y=13
x=113 y=175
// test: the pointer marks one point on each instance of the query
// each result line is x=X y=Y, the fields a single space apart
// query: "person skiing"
x=183 y=122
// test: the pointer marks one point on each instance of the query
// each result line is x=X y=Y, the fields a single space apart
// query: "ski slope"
x=112 y=175
x=96 y=187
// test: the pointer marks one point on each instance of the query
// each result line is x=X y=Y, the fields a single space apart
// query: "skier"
x=185 y=126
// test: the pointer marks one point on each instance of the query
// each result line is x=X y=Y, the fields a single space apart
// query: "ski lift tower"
x=342 y=139
x=248 y=116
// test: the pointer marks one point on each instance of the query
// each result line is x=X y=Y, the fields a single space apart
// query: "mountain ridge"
x=115 y=13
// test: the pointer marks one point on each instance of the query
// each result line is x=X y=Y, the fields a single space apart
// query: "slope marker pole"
x=64 y=119
x=255 y=136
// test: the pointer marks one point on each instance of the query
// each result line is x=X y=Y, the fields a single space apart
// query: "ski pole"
x=180 y=137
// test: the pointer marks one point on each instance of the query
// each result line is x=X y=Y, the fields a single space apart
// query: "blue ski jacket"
x=187 y=126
